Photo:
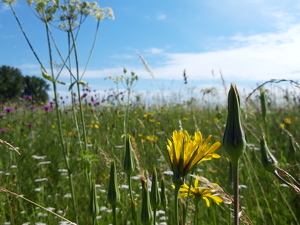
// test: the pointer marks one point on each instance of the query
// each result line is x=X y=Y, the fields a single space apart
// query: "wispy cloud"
x=161 y=16
x=154 y=51
x=256 y=57
x=249 y=58
x=4 y=8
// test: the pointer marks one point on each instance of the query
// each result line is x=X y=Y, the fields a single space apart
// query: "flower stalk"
x=146 y=213
x=154 y=196
x=113 y=195
x=129 y=166
x=234 y=142
x=185 y=152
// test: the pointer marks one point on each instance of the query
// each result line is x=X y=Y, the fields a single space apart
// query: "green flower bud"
x=263 y=103
x=129 y=164
x=154 y=196
x=234 y=140
x=292 y=148
x=268 y=160
x=113 y=195
x=94 y=207
x=146 y=214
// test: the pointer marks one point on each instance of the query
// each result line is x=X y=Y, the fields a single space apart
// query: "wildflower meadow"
x=112 y=158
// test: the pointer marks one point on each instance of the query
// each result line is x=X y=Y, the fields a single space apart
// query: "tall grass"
x=66 y=150
x=39 y=173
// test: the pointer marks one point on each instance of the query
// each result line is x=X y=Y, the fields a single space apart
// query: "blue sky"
x=249 y=41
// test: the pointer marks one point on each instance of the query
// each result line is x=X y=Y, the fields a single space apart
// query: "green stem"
x=187 y=201
x=235 y=177
x=114 y=215
x=78 y=88
x=59 y=123
x=196 y=211
x=176 y=192
x=154 y=216
x=92 y=48
x=24 y=34
x=133 y=212
x=126 y=116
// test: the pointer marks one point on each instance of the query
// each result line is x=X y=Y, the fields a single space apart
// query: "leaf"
x=71 y=86
x=48 y=77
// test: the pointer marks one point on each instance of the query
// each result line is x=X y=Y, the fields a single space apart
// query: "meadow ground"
x=47 y=175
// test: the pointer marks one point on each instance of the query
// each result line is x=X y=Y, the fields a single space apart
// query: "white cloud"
x=161 y=16
x=4 y=8
x=154 y=51
x=253 y=58
x=258 y=57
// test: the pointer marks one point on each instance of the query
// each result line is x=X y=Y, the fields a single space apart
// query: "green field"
x=64 y=161
x=42 y=171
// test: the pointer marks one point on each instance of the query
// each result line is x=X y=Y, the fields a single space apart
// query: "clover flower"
x=186 y=151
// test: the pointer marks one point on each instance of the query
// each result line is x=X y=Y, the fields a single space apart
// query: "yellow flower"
x=186 y=151
x=212 y=170
x=151 y=138
x=281 y=126
x=185 y=118
x=53 y=126
x=216 y=119
x=96 y=126
x=200 y=191
x=287 y=121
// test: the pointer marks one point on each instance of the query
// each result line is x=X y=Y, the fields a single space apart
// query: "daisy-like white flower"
x=186 y=151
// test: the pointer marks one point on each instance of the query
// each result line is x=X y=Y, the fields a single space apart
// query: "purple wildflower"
x=51 y=103
x=29 y=124
x=8 y=110
x=32 y=107
x=47 y=108
x=27 y=97
x=2 y=115
x=3 y=130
